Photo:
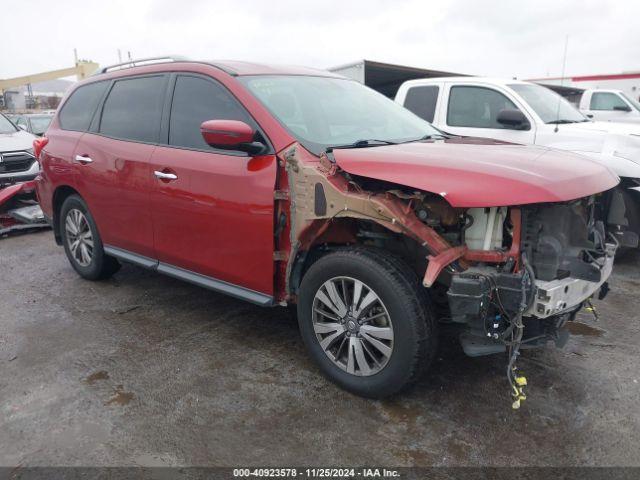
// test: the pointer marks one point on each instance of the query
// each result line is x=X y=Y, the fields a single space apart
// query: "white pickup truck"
x=522 y=112
x=610 y=106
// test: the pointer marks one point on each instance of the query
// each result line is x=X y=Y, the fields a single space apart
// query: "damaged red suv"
x=283 y=185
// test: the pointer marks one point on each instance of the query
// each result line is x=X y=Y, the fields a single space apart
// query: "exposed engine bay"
x=511 y=276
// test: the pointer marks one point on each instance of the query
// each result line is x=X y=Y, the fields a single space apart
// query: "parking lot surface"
x=146 y=370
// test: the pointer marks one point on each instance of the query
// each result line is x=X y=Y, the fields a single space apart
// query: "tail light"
x=38 y=145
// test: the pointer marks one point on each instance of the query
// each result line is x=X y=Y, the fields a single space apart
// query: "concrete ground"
x=146 y=370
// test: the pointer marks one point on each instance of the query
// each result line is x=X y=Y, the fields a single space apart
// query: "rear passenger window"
x=422 y=101
x=78 y=110
x=133 y=109
x=476 y=107
x=196 y=100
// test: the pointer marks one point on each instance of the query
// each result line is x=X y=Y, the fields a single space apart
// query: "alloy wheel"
x=79 y=237
x=353 y=326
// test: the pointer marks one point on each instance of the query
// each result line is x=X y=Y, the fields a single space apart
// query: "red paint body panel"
x=480 y=173
x=226 y=132
x=57 y=169
x=216 y=218
x=11 y=191
x=116 y=187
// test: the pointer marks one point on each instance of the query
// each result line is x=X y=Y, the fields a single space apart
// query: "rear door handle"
x=165 y=176
x=83 y=159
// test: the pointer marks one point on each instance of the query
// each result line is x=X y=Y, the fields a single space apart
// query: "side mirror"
x=23 y=127
x=622 y=108
x=230 y=135
x=513 y=118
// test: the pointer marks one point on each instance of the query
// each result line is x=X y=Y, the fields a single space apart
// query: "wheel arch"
x=347 y=232
x=60 y=194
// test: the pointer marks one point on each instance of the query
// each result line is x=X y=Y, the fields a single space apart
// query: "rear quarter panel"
x=56 y=166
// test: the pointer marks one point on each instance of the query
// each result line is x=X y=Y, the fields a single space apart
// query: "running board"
x=191 y=277
x=127 y=256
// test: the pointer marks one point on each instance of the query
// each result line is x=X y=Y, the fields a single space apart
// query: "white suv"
x=17 y=162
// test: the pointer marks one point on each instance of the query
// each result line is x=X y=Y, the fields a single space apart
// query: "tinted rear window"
x=133 y=109
x=422 y=101
x=77 y=112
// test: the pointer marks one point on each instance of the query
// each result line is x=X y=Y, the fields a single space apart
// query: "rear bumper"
x=558 y=296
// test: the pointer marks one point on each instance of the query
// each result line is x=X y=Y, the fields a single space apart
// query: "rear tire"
x=375 y=351
x=82 y=242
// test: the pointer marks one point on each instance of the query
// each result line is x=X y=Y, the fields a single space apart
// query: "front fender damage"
x=318 y=194
x=507 y=268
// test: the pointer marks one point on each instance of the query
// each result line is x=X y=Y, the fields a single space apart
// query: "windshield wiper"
x=561 y=122
x=371 y=142
x=430 y=136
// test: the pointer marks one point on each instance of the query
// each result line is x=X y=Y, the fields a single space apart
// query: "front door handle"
x=165 y=176
x=83 y=159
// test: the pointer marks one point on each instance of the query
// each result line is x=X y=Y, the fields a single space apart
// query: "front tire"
x=366 y=321
x=82 y=242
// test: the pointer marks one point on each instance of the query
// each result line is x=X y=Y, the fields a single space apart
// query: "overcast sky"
x=499 y=38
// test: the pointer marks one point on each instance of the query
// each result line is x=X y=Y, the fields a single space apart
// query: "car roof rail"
x=142 y=61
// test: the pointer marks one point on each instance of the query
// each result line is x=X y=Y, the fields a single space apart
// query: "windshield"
x=633 y=102
x=326 y=112
x=550 y=107
x=6 y=126
x=40 y=123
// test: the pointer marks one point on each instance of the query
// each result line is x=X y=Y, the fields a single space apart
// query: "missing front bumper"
x=559 y=296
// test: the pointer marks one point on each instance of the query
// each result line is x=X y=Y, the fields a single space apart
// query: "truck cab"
x=610 y=106
x=524 y=112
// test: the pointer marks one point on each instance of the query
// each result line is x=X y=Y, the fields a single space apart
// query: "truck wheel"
x=366 y=321
x=82 y=242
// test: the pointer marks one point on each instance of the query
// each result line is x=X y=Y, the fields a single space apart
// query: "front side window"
x=6 y=126
x=548 y=105
x=78 y=110
x=422 y=101
x=196 y=100
x=633 y=102
x=133 y=109
x=323 y=112
x=607 y=101
x=476 y=107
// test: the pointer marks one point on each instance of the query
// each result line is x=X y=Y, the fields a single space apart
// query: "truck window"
x=133 y=108
x=549 y=106
x=196 y=100
x=606 y=101
x=633 y=102
x=422 y=101
x=78 y=110
x=476 y=107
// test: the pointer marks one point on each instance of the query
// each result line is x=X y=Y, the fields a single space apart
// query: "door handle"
x=83 y=159
x=165 y=176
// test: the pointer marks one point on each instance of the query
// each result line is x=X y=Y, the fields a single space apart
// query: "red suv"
x=285 y=185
